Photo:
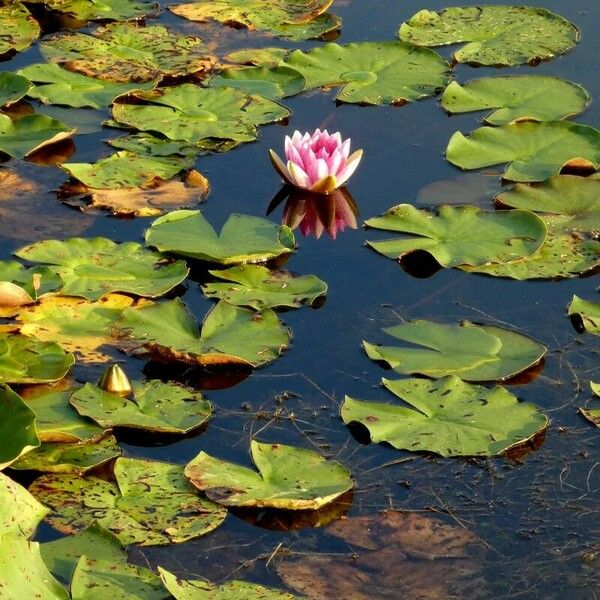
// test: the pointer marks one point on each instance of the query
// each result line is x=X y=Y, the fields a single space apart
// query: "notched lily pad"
x=91 y=268
x=230 y=335
x=448 y=417
x=517 y=98
x=151 y=503
x=154 y=406
x=189 y=113
x=128 y=52
x=243 y=239
x=12 y=88
x=288 y=478
x=19 y=28
x=495 y=35
x=473 y=352
x=535 y=151
x=460 y=235
x=17 y=427
x=258 y=287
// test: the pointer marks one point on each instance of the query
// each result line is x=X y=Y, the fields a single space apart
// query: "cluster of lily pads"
x=86 y=299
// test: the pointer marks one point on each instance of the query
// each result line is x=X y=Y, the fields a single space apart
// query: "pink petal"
x=345 y=149
x=350 y=167
x=335 y=162
x=298 y=177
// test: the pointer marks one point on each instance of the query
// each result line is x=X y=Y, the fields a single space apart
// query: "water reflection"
x=315 y=214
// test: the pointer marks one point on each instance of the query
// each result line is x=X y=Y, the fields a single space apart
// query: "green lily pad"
x=517 y=97
x=62 y=555
x=102 y=10
x=258 y=287
x=154 y=406
x=564 y=254
x=535 y=151
x=191 y=114
x=319 y=28
x=463 y=350
x=270 y=82
x=19 y=28
x=55 y=85
x=587 y=313
x=229 y=334
x=373 y=72
x=151 y=503
x=92 y=268
x=591 y=414
x=20 y=285
x=243 y=239
x=12 y=88
x=128 y=52
x=197 y=589
x=495 y=35
x=256 y=14
x=127 y=170
x=24 y=360
x=145 y=144
x=288 y=478
x=21 y=512
x=577 y=198
x=28 y=134
x=79 y=326
x=448 y=417
x=74 y=458
x=100 y=578
x=259 y=57
x=23 y=573
x=460 y=235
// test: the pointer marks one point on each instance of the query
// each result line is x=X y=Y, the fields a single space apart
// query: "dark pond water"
x=538 y=515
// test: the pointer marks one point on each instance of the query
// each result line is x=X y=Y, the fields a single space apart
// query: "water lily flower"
x=319 y=162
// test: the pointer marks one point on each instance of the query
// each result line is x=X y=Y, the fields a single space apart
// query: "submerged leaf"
x=460 y=235
x=448 y=417
x=535 y=151
x=92 y=268
x=517 y=98
x=151 y=503
x=243 y=238
x=496 y=35
x=288 y=478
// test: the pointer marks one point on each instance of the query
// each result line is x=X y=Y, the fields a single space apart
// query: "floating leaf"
x=373 y=72
x=12 y=87
x=447 y=349
x=155 y=406
x=80 y=326
x=55 y=85
x=75 y=458
x=450 y=417
x=190 y=113
x=92 y=268
x=577 y=198
x=31 y=133
x=23 y=573
x=288 y=478
x=128 y=52
x=562 y=255
x=229 y=334
x=460 y=235
x=259 y=287
x=586 y=313
x=535 y=151
x=19 y=28
x=127 y=170
x=496 y=35
x=197 y=589
x=63 y=554
x=321 y=28
x=100 y=578
x=274 y=82
x=262 y=57
x=150 y=503
x=272 y=16
x=592 y=414
x=517 y=97
x=393 y=554
x=243 y=238
x=20 y=285
x=102 y=10
x=21 y=512
x=23 y=360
